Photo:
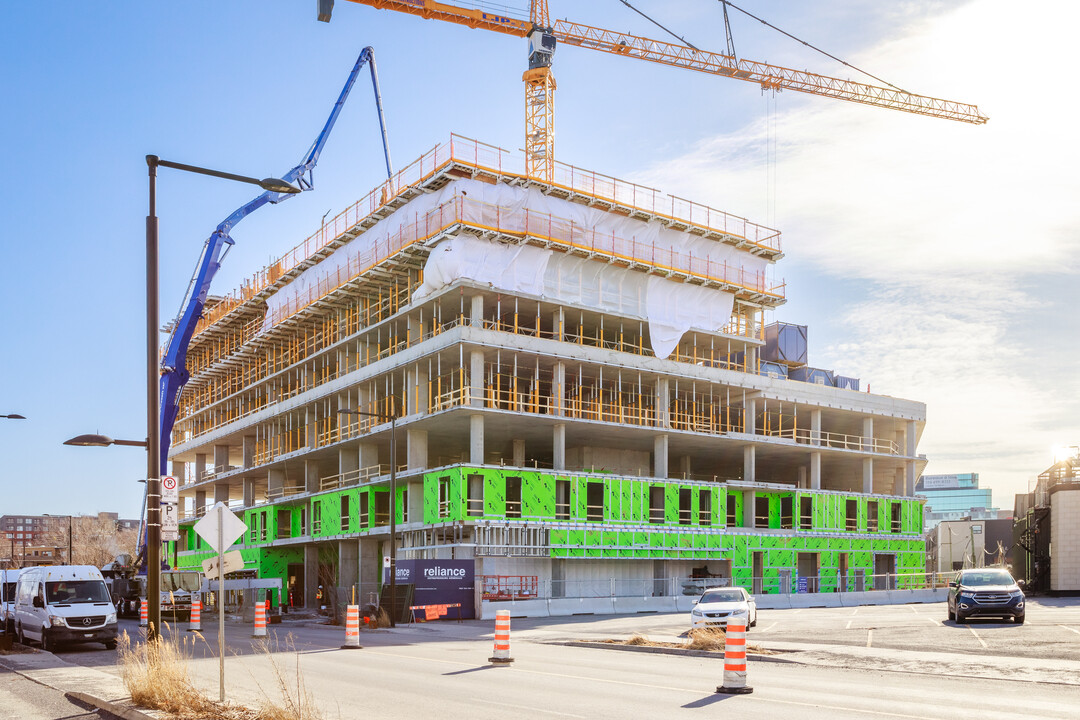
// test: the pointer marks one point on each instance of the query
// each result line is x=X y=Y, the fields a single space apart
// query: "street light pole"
x=393 y=497
x=153 y=431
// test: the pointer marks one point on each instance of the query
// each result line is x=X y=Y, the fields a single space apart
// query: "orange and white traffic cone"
x=502 y=638
x=352 y=628
x=144 y=613
x=195 y=619
x=735 y=661
x=260 y=620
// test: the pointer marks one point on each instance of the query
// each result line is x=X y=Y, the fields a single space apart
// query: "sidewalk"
x=95 y=687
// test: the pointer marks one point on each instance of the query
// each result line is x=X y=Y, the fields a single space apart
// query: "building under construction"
x=585 y=401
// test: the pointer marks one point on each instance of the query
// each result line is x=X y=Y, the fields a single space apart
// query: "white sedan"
x=717 y=606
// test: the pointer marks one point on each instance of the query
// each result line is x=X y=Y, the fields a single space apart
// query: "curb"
x=121 y=712
x=717 y=654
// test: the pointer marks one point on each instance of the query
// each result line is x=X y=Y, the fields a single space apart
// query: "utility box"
x=785 y=343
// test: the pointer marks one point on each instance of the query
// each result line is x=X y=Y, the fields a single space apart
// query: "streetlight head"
x=90 y=441
x=278 y=186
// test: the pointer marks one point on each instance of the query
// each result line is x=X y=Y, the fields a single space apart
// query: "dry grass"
x=638 y=640
x=156 y=675
x=383 y=618
x=706 y=639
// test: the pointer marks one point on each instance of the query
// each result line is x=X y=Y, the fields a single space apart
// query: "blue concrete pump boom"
x=174 y=373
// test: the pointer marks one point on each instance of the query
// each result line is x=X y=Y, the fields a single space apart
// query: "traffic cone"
x=195 y=619
x=144 y=613
x=735 y=661
x=352 y=628
x=502 y=638
x=260 y=620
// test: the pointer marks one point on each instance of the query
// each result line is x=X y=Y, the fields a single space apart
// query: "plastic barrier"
x=195 y=619
x=144 y=613
x=352 y=628
x=502 y=639
x=260 y=620
x=735 y=661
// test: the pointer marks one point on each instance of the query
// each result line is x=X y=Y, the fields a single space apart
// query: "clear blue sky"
x=935 y=260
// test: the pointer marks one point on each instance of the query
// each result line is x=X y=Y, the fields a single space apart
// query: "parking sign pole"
x=221 y=602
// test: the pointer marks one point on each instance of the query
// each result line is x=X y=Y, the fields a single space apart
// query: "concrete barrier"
x=773 y=602
x=627 y=605
x=561 y=607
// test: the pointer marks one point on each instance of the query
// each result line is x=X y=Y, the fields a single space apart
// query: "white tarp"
x=670 y=307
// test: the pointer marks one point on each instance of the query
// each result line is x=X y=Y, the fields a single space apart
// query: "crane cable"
x=669 y=32
x=812 y=47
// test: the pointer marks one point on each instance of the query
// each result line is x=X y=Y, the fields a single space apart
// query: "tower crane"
x=543 y=36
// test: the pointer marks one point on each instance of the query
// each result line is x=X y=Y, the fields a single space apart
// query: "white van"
x=8 y=578
x=64 y=604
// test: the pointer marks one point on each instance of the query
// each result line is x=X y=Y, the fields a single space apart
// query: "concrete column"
x=275 y=483
x=815 y=471
x=749 y=455
x=519 y=452
x=476 y=378
x=200 y=467
x=476 y=439
x=370 y=568
x=815 y=427
x=660 y=456
x=348 y=463
x=417 y=390
x=663 y=404
x=221 y=458
x=416 y=329
x=179 y=471
x=311 y=476
x=200 y=502
x=750 y=416
x=898 y=483
x=311 y=420
x=417 y=452
x=558 y=324
x=752 y=330
x=249 y=492
x=367 y=455
x=558 y=449
x=414 y=506
x=311 y=576
x=348 y=566
x=868 y=434
x=803 y=480
x=476 y=311
x=684 y=466
x=558 y=389
x=748 y=503
x=868 y=475
x=249 y=451
x=221 y=493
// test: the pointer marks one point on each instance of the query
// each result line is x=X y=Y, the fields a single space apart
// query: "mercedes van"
x=8 y=579
x=61 y=604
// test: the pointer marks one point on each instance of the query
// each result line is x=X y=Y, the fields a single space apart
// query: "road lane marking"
x=1070 y=629
x=854 y=612
x=849 y=624
x=981 y=642
x=934 y=621
x=769 y=628
x=694 y=691
x=869 y=636
x=912 y=608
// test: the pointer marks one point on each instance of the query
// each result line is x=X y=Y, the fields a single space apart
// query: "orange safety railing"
x=490 y=159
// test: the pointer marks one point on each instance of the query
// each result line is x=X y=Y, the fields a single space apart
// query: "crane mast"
x=540 y=80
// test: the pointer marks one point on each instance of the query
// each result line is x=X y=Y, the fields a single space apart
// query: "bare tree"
x=95 y=540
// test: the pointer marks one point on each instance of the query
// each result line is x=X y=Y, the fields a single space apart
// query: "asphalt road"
x=22 y=699
x=902 y=661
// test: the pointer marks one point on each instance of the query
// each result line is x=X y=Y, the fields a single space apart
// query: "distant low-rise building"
x=956 y=497
x=971 y=542
x=1046 y=533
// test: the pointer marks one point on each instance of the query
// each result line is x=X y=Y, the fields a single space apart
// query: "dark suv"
x=985 y=592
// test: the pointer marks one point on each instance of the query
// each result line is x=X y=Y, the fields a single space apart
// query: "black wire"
x=763 y=22
x=680 y=39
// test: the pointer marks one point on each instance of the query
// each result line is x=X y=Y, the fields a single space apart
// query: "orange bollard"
x=260 y=620
x=735 y=661
x=352 y=628
x=195 y=618
x=502 y=638
x=144 y=613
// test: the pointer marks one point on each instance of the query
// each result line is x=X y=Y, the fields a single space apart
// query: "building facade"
x=1047 y=541
x=585 y=399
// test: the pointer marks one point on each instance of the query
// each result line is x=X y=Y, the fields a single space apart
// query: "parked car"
x=717 y=606
x=64 y=604
x=8 y=580
x=985 y=592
